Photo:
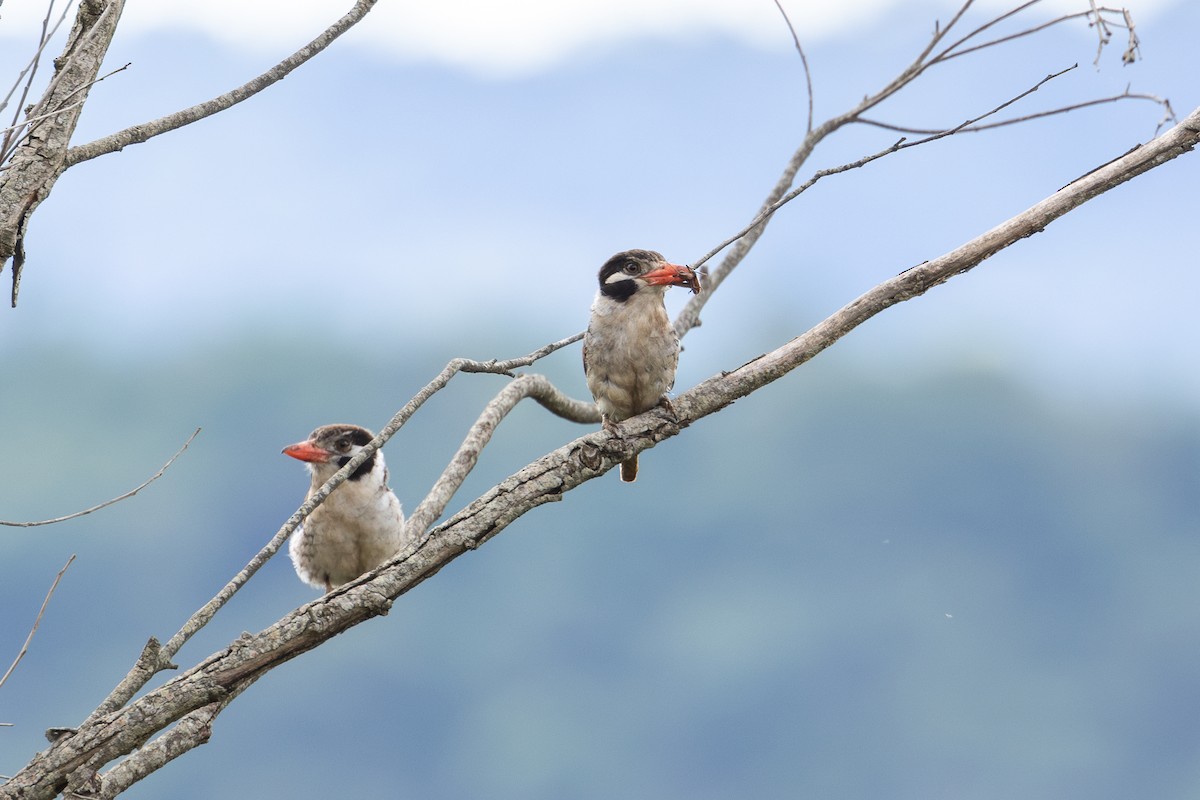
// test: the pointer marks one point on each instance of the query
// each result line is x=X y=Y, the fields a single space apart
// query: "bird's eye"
x=343 y=445
x=630 y=268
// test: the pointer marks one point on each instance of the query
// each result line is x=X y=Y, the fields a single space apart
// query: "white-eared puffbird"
x=630 y=350
x=360 y=525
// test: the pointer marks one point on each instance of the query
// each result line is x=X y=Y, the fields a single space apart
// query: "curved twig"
x=465 y=458
x=803 y=61
x=108 y=503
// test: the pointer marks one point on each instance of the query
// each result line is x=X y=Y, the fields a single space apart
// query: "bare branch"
x=1133 y=46
x=803 y=60
x=691 y=311
x=782 y=193
x=745 y=240
x=39 y=161
x=37 y=621
x=28 y=123
x=1095 y=13
x=27 y=74
x=191 y=731
x=118 y=499
x=147 y=130
x=156 y=657
x=1169 y=115
x=465 y=458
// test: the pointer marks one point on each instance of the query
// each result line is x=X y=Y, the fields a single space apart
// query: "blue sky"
x=389 y=186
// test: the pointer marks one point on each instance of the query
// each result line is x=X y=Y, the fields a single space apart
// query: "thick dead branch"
x=209 y=684
x=41 y=158
x=191 y=731
x=27 y=75
x=36 y=165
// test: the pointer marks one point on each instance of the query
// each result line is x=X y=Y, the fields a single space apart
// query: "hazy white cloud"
x=502 y=38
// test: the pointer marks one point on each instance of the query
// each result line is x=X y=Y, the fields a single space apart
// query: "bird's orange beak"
x=307 y=451
x=673 y=275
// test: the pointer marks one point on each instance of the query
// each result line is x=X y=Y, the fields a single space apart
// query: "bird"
x=630 y=349
x=360 y=525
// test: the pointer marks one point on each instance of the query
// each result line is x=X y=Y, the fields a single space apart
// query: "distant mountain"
x=843 y=586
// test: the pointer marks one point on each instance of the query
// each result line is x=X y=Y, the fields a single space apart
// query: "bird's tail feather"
x=629 y=470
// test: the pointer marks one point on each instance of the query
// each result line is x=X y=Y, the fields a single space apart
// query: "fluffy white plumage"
x=359 y=526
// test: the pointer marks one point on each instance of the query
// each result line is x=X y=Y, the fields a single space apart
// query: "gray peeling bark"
x=44 y=156
x=73 y=762
x=38 y=162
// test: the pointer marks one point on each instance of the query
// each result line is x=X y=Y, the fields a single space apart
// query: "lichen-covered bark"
x=41 y=158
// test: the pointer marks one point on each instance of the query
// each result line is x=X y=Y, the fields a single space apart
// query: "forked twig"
x=783 y=192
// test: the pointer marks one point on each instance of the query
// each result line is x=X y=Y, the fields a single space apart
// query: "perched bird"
x=630 y=350
x=360 y=525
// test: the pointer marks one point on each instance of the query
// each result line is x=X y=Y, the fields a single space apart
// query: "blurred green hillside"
x=943 y=585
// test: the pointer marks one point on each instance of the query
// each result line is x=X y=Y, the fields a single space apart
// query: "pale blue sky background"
x=489 y=168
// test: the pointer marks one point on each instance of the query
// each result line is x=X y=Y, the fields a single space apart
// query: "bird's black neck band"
x=363 y=468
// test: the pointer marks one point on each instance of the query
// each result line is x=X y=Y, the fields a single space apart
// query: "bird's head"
x=626 y=273
x=330 y=447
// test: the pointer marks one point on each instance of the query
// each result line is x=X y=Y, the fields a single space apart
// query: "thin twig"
x=803 y=60
x=1133 y=47
x=745 y=239
x=689 y=317
x=29 y=122
x=691 y=311
x=31 y=67
x=954 y=51
x=944 y=54
x=1126 y=95
x=37 y=621
x=107 y=503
